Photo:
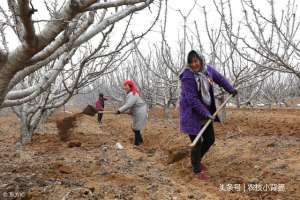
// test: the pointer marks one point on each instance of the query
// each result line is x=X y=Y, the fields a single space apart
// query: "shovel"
x=107 y=112
x=209 y=121
x=112 y=112
x=182 y=153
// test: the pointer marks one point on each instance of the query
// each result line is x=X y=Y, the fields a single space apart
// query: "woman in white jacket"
x=137 y=109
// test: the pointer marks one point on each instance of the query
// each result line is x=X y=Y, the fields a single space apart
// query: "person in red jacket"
x=100 y=106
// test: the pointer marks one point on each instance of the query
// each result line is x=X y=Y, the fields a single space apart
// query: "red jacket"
x=100 y=103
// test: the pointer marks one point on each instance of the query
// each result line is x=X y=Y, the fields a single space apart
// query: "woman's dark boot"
x=137 y=138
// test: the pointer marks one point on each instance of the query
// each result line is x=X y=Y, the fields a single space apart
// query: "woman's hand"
x=234 y=93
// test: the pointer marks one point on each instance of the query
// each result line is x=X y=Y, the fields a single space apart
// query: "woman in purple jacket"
x=197 y=105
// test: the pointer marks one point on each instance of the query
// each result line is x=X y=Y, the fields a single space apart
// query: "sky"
x=174 y=19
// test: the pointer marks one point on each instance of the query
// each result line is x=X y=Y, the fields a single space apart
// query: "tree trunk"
x=5 y=77
x=222 y=113
x=26 y=133
x=238 y=102
x=286 y=103
x=167 y=112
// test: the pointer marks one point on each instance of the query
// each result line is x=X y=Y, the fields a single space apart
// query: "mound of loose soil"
x=89 y=110
x=177 y=154
x=66 y=125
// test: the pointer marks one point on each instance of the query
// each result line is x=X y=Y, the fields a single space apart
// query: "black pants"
x=137 y=137
x=201 y=148
x=100 y=115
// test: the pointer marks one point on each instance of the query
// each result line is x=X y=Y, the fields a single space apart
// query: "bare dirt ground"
x=255 y=147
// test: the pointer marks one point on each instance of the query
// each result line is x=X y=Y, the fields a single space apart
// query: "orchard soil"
x=72 y=157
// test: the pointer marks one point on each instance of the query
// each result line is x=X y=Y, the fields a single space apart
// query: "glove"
x=118 y=112
x=234 y=93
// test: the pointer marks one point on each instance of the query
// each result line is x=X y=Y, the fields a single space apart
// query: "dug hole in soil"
x=71 y=157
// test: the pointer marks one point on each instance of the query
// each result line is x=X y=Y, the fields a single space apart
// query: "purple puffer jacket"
x=192 y=108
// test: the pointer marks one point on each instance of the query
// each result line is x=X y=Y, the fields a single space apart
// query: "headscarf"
x=132 y=86
x=203 y=83
x=203 y=80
